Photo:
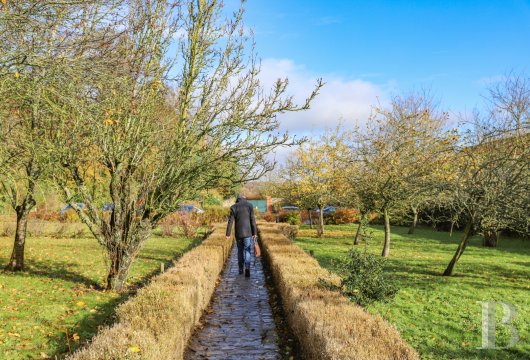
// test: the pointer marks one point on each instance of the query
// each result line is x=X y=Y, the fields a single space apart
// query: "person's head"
x=241 y=196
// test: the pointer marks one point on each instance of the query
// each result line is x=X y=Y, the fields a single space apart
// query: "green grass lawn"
x=441 y=316
x=57 y=304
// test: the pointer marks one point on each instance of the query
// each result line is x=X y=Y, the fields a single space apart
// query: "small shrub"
x=364 y=280
x=60 y=231
x=211 y=200
x=304 y=215
x=78 y=231
x=190 y=224
x=36 y=228
x=7 y=229
x=341 y=216
x=290 y=231
x=291 y=217
x=269 y=217
x=168 y=224
x=167 y=229
x=69 y=216
x=216 y=214
x=46 y=215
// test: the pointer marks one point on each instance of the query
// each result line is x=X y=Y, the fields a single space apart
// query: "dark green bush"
x=211 y=200
x=293 y=218
x=290 y=217
x=364 y=280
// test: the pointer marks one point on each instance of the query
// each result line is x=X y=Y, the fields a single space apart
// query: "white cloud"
x=340 y=100
x=343 y=101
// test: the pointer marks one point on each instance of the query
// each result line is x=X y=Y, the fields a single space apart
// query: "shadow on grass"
x=90 y=325
x=58 y=271
x=62 y=343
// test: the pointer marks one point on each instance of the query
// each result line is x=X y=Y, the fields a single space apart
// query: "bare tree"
x=490 y=192
x=171 y=108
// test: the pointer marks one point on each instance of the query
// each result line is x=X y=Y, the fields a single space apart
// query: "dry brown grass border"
x=327 y=325
x=158 y=322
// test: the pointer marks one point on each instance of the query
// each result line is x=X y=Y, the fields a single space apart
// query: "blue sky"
x=369 y=50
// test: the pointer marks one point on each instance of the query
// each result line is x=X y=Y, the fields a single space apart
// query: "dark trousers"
x=245 y=247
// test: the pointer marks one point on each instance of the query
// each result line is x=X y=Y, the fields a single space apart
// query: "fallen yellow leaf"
x=43 y=355
x=80 y=303
x=134 y=349
x=75 y=337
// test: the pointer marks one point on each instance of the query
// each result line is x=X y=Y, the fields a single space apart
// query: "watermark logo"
x=488 y=324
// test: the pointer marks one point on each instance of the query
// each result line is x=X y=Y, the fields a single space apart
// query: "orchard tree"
x=398 y=150
x=170 y=108
x=490 y=192
x=310 y=177
x=37 y=45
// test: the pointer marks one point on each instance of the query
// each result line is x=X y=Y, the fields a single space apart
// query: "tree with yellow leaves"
x=37 y=48
x=311 y=176
x=397 y=152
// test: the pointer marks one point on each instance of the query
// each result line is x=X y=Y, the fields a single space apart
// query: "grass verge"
x=327 y=325
x=158 y=322
x=57 y=304
x=442 y=316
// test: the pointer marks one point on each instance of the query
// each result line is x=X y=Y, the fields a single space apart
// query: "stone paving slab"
x=239 y=324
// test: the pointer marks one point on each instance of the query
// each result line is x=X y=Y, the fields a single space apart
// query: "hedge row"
x=327 y=325
x=158 y=322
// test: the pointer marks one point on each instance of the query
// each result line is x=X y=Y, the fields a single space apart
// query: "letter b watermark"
x=488 y=324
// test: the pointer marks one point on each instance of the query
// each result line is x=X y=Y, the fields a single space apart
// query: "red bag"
x=257 y=250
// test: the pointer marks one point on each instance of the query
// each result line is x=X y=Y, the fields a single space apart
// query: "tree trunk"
x=468 y=232
x=386 y=247
x=320 y=230
x=120 y=262
x=358 y=233
x=491 y=236
x=123 y=244
x=16 y=261
x=310 y=219
x=414 y=221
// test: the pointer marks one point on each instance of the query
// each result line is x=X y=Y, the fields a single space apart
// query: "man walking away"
x=242 y=213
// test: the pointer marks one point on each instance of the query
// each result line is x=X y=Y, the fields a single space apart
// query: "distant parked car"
x=327 y=209
x=187 y=208
x=290 y=208
x=69 y=206
x=107 y=207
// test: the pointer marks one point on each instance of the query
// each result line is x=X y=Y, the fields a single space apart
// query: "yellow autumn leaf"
x=43 y=355
x=134 y=349
x=80 y=303
x=17 y=74
x=75 y=337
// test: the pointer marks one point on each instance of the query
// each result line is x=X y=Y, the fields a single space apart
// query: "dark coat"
x=243 y=214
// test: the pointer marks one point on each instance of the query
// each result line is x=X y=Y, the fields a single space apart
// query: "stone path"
x=239 y=323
